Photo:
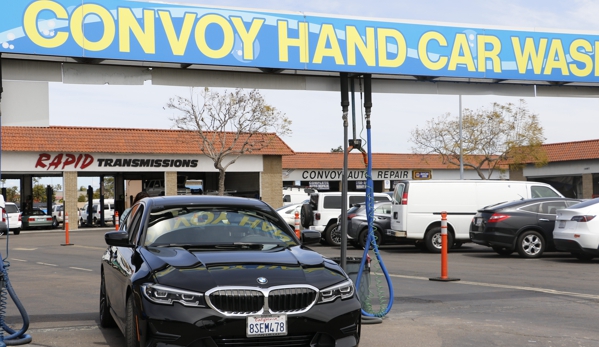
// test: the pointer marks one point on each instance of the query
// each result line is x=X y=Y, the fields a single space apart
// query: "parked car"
x=417 y=206
x=57 y=215
x=287 y=212
x=36 y=219
x=323 y=210
x=11 y=219
x=357 y=225
x=525 y=226
x=577 y=230
x=204 y=270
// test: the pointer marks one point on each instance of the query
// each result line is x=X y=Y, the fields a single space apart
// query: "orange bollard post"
x=298 y=233
x=117 y=221
x=444 y=248
x=66 y=230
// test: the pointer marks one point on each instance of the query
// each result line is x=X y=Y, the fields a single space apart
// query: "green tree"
x=337 y=150
x=504 y=134
x=82 y=198
x=228 y=125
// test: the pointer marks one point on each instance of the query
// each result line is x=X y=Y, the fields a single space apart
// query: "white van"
x=417 y=206
x=108 y=212
x=296 y=195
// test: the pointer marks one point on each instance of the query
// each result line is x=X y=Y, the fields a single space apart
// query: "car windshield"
x=225 y=228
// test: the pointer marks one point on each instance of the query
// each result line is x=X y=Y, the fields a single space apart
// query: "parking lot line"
x=504 y=286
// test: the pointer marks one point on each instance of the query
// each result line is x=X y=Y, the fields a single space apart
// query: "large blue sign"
x=158 y=32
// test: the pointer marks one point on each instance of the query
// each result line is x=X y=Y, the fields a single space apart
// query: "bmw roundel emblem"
x=262 y=280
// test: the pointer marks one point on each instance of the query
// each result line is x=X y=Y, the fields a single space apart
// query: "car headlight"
x=343 y=290
x=167 y=296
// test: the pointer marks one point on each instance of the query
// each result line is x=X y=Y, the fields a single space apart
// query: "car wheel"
x=502 y=250
x=130 y=325
x=54 y=223
x=582 y=256
x=17 y=231
x=95 y=221
x=432 y=240
x=364 y=236
x=530 y=244
x=306 y=215
x=106 y=320
x=332 y=235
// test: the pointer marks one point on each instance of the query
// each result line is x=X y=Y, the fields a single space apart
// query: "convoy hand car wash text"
x=82 y=161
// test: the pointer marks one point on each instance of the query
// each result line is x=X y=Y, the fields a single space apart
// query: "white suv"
x=14 y=219
x=323 y=210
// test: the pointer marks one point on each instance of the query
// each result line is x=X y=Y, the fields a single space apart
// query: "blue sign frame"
x=158 y=32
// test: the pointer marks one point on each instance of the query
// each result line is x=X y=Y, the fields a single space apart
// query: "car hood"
x=204 y=270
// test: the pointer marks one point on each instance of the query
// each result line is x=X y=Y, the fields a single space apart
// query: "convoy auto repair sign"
x=160 y=32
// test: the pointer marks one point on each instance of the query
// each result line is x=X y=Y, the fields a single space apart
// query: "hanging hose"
x=15 y=337
x=372 y=317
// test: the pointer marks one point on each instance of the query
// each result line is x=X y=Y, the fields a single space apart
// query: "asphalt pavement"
x=499 y=301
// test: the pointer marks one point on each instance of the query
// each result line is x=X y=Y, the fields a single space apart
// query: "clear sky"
x=316 y=116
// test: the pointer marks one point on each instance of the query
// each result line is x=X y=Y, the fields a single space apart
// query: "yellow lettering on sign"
x=228 y=40
x=493 y=54
x=327 y=37
x=30 y=24
x=248 y=37
x=460 y=45
x=529 y=53
x=181 y=220
x=178 y=43
x=77 y=21
x=556 y=59
x=285 y=41
x=146 y=36
x=367 y=49
x=581 y=57
x=221 y=218
x=423 y=50
x=402 y=47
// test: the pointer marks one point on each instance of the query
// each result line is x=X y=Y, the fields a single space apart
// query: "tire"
x=54 y=223
x=530 y=244
x=364 y=235
x=130 y=325
x=332 y=235
x=16 y=231
x=432 y=240
x=106 y=320
x=95 y=221
x=582 y=256
x=306 y=216
x=502 y=250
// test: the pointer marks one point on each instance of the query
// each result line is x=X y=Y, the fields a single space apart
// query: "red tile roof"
x=115 y=140
x=568 y=151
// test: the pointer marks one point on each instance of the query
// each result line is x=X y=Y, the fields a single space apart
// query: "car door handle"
x=543 y=220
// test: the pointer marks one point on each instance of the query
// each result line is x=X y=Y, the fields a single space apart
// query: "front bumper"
x=332 y=324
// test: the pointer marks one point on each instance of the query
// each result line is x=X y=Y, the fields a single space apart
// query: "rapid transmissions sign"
x=161 y=32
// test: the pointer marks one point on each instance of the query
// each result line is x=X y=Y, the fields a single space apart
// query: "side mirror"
x=117 y=238
x=310 y=237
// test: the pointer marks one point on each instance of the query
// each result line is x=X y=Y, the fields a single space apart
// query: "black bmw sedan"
x=216 y=271
x=525 y=226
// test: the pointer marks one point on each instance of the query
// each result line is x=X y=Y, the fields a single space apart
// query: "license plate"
x=266 y=325
x=562 y=224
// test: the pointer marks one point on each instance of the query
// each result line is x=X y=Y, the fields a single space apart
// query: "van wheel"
x=432 y=239
x=530 y=244
x=333 y=235
x=306 y=215
x=54 y=223
x=16 y=231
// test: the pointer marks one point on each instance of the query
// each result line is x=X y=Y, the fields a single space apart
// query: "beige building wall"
x=271 y=180
x=170 y=183
x=71 y=194
x=517 y=175
x=587 y=186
